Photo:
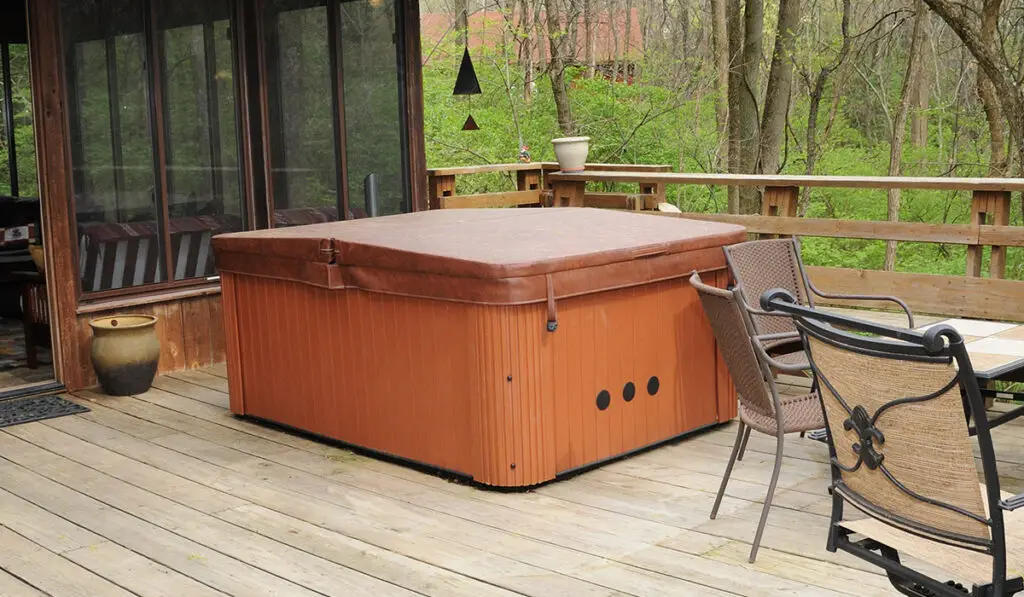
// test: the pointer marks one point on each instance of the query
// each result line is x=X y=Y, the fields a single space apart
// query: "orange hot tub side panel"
x=482 y=390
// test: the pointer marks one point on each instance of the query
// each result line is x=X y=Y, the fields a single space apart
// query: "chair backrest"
x=897 y=431
x=761 y=265
x=731 y=325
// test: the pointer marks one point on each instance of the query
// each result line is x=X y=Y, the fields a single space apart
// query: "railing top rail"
x=767 y=180
x=515 y=167
x=551 y=167
x=546 y=166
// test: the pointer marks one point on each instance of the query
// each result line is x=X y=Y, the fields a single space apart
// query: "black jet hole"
x=604 y=399
x=629 y=391
x=653 y=385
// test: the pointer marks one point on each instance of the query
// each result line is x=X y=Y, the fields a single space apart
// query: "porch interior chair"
x=760 y=265
x=904 y=477
x=761 y=406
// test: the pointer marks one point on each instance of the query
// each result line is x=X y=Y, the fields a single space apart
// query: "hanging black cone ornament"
x=466 y=83
x=470 y=124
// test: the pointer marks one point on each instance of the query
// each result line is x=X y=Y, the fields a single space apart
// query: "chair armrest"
x=772 y=362
x=1012 y=503
x=866 y=297
x=756 y=311
x=778 y=336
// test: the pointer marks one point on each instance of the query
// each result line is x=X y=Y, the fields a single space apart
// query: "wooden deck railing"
x=531 y=186
x=971 y=295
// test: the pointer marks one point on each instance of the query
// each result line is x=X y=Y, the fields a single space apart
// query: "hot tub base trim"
x=453 y=475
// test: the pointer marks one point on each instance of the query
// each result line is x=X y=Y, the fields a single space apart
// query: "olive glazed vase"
x=125 y=353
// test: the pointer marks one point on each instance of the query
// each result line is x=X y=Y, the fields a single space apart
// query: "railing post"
x=567 y=193
x=439 y=186
x=780 y=202
x=656 y=190
x=988 y=208
x=528 y=180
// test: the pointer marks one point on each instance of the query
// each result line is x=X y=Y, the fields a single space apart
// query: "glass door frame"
x=405 y=108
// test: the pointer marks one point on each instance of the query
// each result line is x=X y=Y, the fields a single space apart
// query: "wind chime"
x=467 y=84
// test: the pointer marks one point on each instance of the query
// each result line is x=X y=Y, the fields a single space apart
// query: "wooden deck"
x=168 y=494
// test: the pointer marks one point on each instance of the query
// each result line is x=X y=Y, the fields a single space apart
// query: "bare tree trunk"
x=526 y=49
x=899 y=126
x=626 y=58
x=817 y=90
x=720 y=49
x=613 y=30
x=556 y=68
x=992 y=62
x=987 y=93
x=921 y=96
x=572 y=24
x=749 y=91
x=462 y=20
x=677 y=22
x=735 y=20
x=779 y=90
x=589 y=38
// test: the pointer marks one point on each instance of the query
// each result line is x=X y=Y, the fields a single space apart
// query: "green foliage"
x=646 y=123
x=24 y=141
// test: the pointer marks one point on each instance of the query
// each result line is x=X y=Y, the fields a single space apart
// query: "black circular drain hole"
x=629 y=392
x=653 y=385
x=604 y=399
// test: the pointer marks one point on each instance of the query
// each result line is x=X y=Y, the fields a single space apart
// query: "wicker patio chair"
x=902 y=457
x=761 y=407
x=761 y=265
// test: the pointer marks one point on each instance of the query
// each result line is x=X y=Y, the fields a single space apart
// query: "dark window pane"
x=304 y=164
x=115 y=194
x=373 y=122
x=24 y=136
x=203 y=188
x=5 y=175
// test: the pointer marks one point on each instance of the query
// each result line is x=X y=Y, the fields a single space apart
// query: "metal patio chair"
x=760 y=265
x=761 y=407
x=902 y=458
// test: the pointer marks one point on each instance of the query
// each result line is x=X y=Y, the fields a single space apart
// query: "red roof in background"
x=487 y=27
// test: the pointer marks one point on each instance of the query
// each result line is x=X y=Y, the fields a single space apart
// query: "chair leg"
x=768 y=498
x=728 y=468
x=743 y=444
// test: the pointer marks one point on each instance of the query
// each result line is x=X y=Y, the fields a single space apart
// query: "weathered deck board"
x=12 y=587
x=168 y=494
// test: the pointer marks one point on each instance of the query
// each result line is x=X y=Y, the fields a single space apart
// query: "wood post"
x=439 y=186
x=568 y=194
x=528 y=180
x=988 y=208
x=781 y=202
x=656 y=189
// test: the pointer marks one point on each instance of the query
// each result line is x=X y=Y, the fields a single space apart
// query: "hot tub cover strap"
x=552 y=309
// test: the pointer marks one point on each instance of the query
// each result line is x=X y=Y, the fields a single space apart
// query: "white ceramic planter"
x=571 y=153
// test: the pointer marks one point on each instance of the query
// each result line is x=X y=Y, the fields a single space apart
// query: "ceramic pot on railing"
x=571 y=153
x=125 y=353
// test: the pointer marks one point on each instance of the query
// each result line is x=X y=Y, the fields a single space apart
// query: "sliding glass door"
x=154 y=139
x=334 y=111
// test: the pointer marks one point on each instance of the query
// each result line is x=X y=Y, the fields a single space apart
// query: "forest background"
x=830 y=87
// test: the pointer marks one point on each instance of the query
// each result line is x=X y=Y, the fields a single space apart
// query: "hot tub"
x=511 y=346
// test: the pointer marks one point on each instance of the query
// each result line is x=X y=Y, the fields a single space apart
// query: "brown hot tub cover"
x=507 y=345
x=486 y=256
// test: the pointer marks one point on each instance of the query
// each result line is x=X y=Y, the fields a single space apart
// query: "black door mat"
x=25 y=410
